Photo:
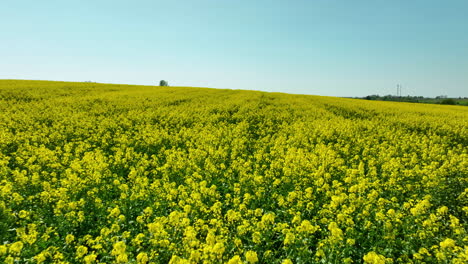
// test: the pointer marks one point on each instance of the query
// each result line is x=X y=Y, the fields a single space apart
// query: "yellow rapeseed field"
x=96 y=173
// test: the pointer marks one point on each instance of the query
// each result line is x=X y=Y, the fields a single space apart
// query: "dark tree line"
x=419 y=99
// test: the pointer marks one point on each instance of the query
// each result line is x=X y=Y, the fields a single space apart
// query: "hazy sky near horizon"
x=323 y=47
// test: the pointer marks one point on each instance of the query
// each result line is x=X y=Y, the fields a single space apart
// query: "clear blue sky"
x=324 y=47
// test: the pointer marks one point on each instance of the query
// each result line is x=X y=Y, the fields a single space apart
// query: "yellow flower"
x=17 y=197
x=289 y=239
x=238 y=242
x=251 y=256
x=267 y=254
x=350 y=241
x=142 y=258
x=58 y=256
x=420 y=207
x=9 y=260
x=126 y=234
x=296 y=219
x=3 y=250
x=442 y=210
x=418 y=256
x=122 y=258
x=138 y=239
x=119 y=248
x=40 y=258
x=178 y=260
x=91 y=258
x=235 y=260
x=218 y=248
x=287 y=261
x=440 y=256
x=256 y=237
x=447 y=243
x=268 y=218
x=424 y=251
x=23 y=214
x=307 y=227
x=69 y=238
x=374 y=258
x=336 y=232
x=195 y=256
x=232 y=215
x=114 y=212
x=15 y=248
x=81 y=251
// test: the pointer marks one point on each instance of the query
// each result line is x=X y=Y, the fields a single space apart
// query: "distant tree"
x=163 y=83
x=448 y=101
